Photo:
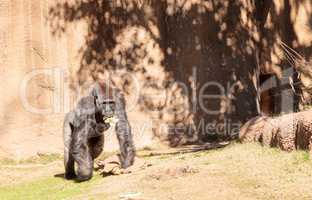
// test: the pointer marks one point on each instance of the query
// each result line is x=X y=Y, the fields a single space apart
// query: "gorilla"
x=83 y=130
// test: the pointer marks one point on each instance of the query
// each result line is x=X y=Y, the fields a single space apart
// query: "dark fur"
x=84 y=127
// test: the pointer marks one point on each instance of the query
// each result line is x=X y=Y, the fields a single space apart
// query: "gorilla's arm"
x=123 y=131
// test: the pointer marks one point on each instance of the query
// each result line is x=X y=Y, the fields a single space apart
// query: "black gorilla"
x=83 y=131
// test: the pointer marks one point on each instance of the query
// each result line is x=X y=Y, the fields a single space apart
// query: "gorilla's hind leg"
x=84 y=165
x=82 y=156
x=69 y=164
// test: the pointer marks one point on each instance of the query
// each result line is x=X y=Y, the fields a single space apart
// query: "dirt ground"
x=237 y=171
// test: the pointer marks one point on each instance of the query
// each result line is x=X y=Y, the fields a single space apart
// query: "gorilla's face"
x=104 y=102
x=105 y=107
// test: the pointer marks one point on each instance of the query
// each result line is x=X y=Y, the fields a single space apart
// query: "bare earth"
x=238 y=171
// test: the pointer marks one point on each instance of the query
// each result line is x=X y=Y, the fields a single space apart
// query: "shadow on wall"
x=195 y=61
x=286 y=23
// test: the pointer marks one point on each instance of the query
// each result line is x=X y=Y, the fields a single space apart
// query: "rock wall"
x=36 y=69
x=189 y=69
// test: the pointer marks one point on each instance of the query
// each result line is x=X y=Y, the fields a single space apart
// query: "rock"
x=304 y=134
x=287 y=132
x=252 y=130
x=270 y=132
x=131 y=196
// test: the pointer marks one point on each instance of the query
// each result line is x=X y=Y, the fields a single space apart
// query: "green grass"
x=47 y=188
x=40 y=159
x=259 y=172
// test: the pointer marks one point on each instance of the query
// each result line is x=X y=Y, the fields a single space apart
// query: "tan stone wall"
x=287 y=22
x=28 y=45
x=157 y=47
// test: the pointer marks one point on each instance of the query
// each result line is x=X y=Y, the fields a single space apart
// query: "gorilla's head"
x=104 y=106
x=104 y=101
